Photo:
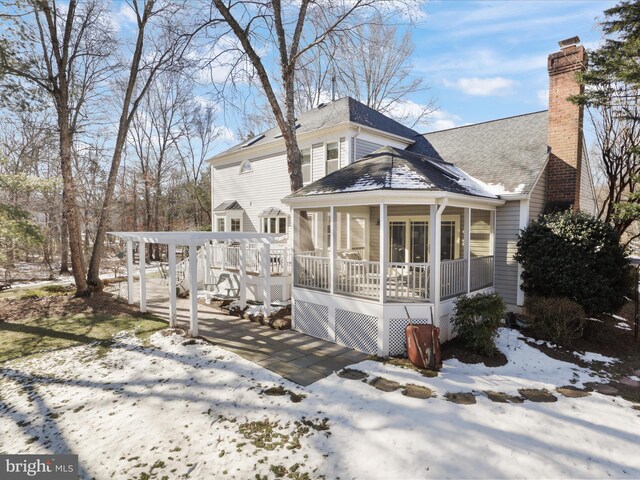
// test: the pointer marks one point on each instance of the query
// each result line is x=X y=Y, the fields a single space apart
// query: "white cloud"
x=483 y=87
x=441 y=120
x=543 y=97
x=481 y=62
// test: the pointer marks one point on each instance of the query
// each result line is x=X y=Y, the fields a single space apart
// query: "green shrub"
x=476 y=321
x=558 y=319
x=575 y=255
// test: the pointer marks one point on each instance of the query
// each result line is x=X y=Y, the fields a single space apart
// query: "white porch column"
x=265 y=263
x=130 y=271
x=193 y=288
x=243 y=274
x=333 y=228
x=383 y=324
x=172 y=285
x=436 y=230
x=142 y=257
x=467 y=245
x=384 y=248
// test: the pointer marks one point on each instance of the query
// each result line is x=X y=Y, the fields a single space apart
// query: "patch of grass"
x=46 y=291
x=22 y=338
x=404 y=363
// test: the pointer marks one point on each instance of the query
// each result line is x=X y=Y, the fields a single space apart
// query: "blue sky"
x=487 y=59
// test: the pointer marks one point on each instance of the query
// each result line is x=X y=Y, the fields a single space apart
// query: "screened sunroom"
x=390 y=231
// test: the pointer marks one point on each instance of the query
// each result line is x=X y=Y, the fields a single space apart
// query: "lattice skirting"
x=446 y=329
x=357 y=330
x=398 y=337
x=312 y=319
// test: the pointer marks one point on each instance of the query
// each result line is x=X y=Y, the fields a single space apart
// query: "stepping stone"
x=630 y=382
x=351 y=374
x=417 y=391
x=637 y=373
x=461 y=398
x=606 y=389
x=572 y=392
x=635 y=407
x=538 y=396
x=385 y=385
x=501 y=397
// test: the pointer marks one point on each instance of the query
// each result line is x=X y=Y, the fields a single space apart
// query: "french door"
x=408 y=241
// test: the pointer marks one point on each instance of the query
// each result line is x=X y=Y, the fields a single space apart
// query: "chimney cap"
x=569 y=42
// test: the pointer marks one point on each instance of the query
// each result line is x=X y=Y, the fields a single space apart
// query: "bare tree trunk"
x=78 y=266
x=64 y=247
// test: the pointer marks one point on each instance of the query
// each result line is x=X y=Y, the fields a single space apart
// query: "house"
x=390 y=219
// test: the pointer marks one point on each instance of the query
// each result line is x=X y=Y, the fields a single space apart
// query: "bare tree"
x=284 y=28
x=159 y=26
x=61 y=52
x=198 y=133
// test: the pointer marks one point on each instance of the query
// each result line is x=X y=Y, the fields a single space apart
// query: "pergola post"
x=243 y=275
x=265 y=264
x=142 y=258
x=172 y=285
x=467 y=246
x=193 y=288
x=130 y=271
x=207 y=270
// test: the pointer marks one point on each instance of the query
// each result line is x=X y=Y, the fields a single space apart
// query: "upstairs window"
x=235 y=225
x=274 y=225
x=221 y=224
x=333 y=157
x=306 y=165
x=246 y=167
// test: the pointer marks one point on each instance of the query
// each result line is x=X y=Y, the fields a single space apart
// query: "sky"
x=483 y=60
x=488 y=59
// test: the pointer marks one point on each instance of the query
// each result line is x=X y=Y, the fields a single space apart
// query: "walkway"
x=292 y=355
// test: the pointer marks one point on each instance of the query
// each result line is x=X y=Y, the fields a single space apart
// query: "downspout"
x=436 y=258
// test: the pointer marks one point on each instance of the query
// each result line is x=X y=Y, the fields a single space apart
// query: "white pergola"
x=193 y=240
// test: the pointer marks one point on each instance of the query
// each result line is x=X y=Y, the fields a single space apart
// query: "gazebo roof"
x=393 y=169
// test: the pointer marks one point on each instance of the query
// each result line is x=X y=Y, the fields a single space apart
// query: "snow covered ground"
x=198 y=410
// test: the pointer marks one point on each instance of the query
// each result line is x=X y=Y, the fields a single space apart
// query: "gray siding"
x=506 y=268
x=364 y=147
x=538 y=196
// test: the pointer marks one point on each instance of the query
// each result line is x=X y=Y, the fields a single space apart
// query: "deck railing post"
x=383 y=252
x=333 y=227
x=130 y=271
x=207 y=270
x=172 y=285
x=265 y=267
x=243 y=275
x=193 y=288
x=142 y=260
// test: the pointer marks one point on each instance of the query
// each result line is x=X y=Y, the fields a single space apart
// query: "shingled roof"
x=343 y=110
x=506 y=154
x=394 y=169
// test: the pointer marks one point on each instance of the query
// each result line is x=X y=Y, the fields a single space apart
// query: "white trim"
x=338 y=127
x=522 y=224
x=396 y=197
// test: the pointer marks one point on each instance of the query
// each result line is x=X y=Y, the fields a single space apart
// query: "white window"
x=246 y=167
x=333 y=157
x=274 y=225
x=306 y=165
x=221 y=224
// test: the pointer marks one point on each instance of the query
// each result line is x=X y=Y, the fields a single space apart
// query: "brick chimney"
x=565 y=127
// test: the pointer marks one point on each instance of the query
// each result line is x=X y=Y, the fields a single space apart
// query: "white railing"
x=481 y=272
x=227 y=257
x=408 y=282
x=311 y=272
x=453 y=278
x=360 y=278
